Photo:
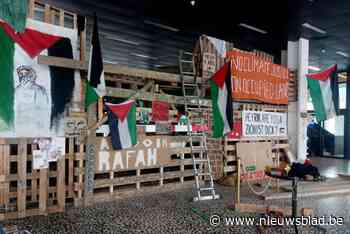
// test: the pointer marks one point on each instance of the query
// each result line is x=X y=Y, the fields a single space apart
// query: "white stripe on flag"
x=90 y=62
x=222 y=102
x=124 y=134
x=326 y=91
x=101 y=88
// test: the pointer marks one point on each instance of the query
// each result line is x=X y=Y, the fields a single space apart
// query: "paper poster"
x=52 y=148
x=160 y=111
x=40 y=160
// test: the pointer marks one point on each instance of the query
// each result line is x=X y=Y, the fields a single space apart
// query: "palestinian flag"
x=122 y=124
x=33 y=97
x=221 y=95
x=95 y=87
x=319 y=85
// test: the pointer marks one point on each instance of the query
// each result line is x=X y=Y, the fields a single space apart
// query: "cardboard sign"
x=257 y=79
x=264 y=124
x=254 y=157
x=160 y=111
x=149 y=151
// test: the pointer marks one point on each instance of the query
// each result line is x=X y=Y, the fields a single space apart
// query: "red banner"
x=160 y=111
x=257 y=79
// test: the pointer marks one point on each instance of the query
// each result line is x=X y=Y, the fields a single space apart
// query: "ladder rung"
x=203 y=174
x=188 y=73
x=186 y=61
x=189 y=84
x=206 y=189
x=204 y=198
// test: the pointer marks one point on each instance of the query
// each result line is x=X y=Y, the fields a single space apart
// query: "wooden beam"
x=147 y=96
x=113 y=69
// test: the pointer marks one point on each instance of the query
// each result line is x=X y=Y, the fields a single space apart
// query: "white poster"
x=52 y=148
x=264 y=124
x=39 y=160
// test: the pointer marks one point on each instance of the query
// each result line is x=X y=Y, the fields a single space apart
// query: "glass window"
x=342 y=95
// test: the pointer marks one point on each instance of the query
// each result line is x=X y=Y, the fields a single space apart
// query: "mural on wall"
x=35 y=97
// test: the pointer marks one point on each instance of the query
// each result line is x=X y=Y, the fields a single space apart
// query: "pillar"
x=347 y=118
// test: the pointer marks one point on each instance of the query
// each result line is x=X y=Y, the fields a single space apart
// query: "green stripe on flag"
x=317 y=99
x=90 y=95
x=132 y=125
x=218 y=121
x=6 y=81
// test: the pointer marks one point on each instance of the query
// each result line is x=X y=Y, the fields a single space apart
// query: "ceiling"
x=149 y=34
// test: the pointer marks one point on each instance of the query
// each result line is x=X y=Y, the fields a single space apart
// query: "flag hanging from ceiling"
x=14 y=12
x=319 y=85
x=33 y=96
x=221 y=95
x=122 y=124
x=95 y=86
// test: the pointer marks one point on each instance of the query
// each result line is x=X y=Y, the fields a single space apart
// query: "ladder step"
x=203 y=174
x=205 y=198
x=207 y=189
x=200 y=160
x=188 y=73
x=186 y=61
x=190 y=85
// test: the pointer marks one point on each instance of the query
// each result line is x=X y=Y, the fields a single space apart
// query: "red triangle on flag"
x=324 y=75
x=121 y=110
x=31 y=41
x=220 y=76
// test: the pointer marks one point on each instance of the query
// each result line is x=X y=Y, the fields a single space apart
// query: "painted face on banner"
x=26 y=75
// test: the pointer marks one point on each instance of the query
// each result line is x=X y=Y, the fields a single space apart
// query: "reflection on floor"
x=331 y=167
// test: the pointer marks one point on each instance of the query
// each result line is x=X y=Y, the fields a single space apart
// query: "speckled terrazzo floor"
x=174 y=212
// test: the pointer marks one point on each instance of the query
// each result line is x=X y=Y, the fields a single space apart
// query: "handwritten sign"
x=209 y=62
x=149 y=151
x=76 y=127
x=257 y=79
x=264 y=124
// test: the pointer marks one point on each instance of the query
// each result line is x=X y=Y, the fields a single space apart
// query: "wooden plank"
x=148 y=96
x=22 y=177
x=47 y=14
x=62 y=18
x=31 y=5
x=61 y=190
x=70 y=167
x=34 y=180
x=113 y=69
x=43 y=192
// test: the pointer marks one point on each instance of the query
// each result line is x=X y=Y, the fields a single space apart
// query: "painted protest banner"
x=149 y=151
x=264 y=124
x=255 y=78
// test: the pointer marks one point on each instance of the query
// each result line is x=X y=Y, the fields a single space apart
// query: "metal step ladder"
x=201 y=163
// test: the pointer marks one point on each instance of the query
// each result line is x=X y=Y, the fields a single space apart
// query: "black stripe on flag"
x=114 y=130
x=96 y=62
x=229 y=108
x=62 y=80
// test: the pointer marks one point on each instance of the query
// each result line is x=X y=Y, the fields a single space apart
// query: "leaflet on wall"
x=40 y=160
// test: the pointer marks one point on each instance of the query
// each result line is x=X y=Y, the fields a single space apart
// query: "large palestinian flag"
x=34 y=97
x=122 y=124
x=96 y=86
x=319 y=85
x=221 y=95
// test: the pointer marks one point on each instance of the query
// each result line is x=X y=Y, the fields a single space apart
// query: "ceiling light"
x=193 y=2
x=323 y=51
x=342 y=54
x=163 y=26
x=252 y=28
x=313 y=68
x=313 y=28
x=122 y=40
x=143 y=56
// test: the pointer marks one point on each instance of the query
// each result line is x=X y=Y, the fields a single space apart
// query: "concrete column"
x=297 y=60
x=292 y=64
x=302 y=120
x=347 y=119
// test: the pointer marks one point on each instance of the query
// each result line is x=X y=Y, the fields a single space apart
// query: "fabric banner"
x=257 y=79
x=264 y=124
x=160 y=111
x=34 y=97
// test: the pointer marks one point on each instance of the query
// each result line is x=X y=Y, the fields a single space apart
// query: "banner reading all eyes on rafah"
x=255 y=78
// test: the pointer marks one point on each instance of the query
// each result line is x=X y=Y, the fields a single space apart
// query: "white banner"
x=264 y=124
